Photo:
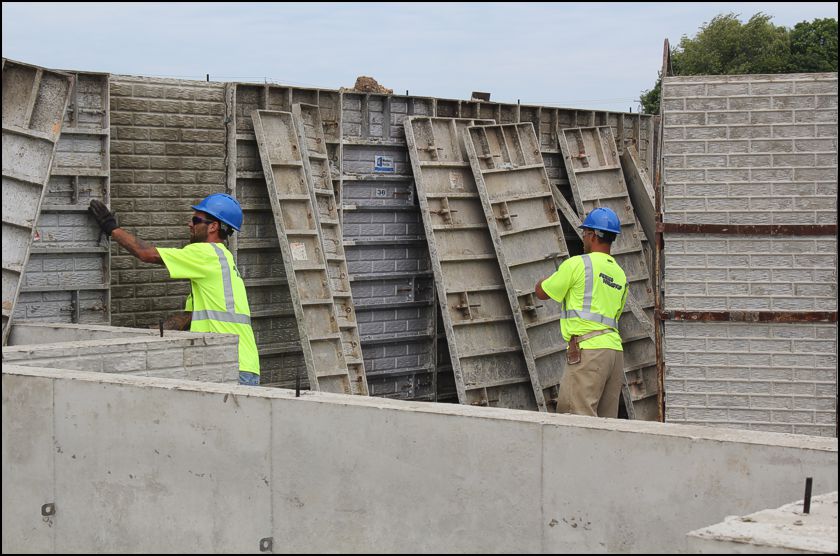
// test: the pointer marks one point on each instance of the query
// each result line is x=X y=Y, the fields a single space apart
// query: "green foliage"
x=725 y=46
x=650 y=98
x=813 y=46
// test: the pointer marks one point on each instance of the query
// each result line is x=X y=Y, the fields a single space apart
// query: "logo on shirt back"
x=610 y=282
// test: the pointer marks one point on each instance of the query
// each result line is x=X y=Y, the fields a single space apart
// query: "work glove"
x=106 y=219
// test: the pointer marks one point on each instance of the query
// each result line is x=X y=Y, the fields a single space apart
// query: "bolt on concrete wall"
x=759 y=150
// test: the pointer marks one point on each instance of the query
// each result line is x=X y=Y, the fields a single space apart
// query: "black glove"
x=106 y=219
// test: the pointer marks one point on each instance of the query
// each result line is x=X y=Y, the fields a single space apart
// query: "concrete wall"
x=152 y=465
x=751 y=149
x=167 y=153
x=182 y=355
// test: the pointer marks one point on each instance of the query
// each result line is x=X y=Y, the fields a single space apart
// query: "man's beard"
x=198 y=236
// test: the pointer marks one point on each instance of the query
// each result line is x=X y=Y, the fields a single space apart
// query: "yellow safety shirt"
x=591 y=290
x=218 y=301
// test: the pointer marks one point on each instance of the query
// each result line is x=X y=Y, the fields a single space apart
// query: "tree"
x=650 y=98
x=725 y=46
x=813 y=46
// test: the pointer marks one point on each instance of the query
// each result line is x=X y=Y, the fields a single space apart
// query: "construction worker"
x=591 y=289
x=217 y=302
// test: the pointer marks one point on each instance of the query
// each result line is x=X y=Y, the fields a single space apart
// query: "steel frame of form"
x=34 y=104
x=307 y=119
x=256 y=248
x=486 y=352
x=78 y=289
x=303 y=255
x=525 y=227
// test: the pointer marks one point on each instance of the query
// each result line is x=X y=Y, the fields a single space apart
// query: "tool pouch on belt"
x=573 y=351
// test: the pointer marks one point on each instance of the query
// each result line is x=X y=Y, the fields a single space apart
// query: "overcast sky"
x=597 y=55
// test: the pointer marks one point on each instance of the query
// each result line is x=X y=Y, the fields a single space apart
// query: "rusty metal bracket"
x=756 y=230
x=749 y=316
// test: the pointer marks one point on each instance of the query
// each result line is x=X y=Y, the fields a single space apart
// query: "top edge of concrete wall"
x=695 y=433
x=193 y=82
x=752 y=77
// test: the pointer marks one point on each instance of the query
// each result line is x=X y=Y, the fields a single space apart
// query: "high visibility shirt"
x=218 y=301
x=591 y=290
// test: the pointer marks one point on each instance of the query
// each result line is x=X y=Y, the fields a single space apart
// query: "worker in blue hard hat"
x=592 y=290
x=217 y=302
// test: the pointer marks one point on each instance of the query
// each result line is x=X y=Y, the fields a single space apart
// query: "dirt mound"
x=365 y=84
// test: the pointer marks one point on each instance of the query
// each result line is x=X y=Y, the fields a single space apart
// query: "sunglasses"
x=196 y=220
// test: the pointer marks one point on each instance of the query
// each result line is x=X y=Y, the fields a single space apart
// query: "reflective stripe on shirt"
x=230 y=315
x=586 y=312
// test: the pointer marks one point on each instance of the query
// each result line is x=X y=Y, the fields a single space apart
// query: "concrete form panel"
x=519 y=208
x=68 y=278
x=486 y=352
x=310 y=129
x=34 y=104
x=387 y=254
x=257 y=252
x=303 y=255
x=641 y=192
x=594 y=168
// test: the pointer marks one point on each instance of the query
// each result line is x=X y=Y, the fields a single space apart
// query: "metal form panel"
x=594 y=169
x=316 y=163
x=641 y=192
x=489 y=363
x=34 y=104
x=627 y=128
x=67 y=278
x=519 y=206
x=387 y=254
x=256 y=248
x=304 y=258
x=405 y=354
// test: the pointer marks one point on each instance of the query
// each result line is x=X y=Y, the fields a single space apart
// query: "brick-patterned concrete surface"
x=183 y=355
x=751 y=149
x=167 y=153
x=771 y=377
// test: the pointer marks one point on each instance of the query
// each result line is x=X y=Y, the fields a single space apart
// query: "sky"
x=595 y=55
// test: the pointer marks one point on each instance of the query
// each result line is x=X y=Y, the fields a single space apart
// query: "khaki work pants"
x=592 y=387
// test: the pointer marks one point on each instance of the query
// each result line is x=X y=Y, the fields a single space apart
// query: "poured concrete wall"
x=751 y=150
x=182 y=355
x=142 y=464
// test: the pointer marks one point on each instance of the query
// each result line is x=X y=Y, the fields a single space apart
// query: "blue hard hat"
x=603 y=219
x=223 y=207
